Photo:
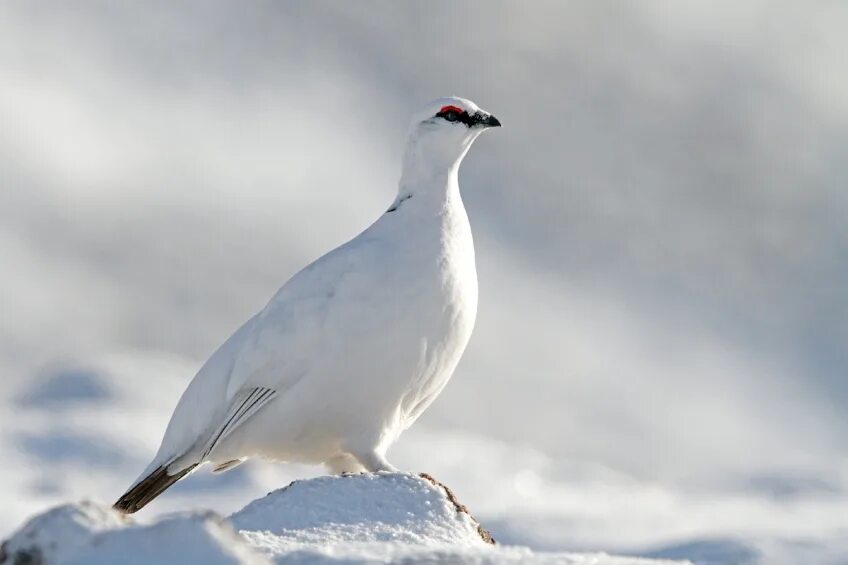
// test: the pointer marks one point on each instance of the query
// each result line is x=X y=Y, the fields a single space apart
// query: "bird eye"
x=451 y=113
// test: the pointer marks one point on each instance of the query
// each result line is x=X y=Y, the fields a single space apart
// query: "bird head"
x=441 y=134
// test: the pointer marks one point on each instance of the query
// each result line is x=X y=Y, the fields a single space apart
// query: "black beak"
x=485 y=120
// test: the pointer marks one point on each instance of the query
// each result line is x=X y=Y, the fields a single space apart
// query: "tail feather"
x=148 y=488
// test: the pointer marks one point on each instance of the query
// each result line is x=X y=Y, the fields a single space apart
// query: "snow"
x=92 y=447
x=61 y=532
x=372 y=507
x=354 y=518
x=197 y=538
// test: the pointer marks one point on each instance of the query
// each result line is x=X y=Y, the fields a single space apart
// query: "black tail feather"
x=149 y=488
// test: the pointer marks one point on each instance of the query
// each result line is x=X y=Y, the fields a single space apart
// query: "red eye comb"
x=454 y=108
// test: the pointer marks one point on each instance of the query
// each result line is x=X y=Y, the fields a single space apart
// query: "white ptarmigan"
x=353 y=348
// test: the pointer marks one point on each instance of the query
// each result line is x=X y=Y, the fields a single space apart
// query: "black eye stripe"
x=452 y=115
x=451 y=112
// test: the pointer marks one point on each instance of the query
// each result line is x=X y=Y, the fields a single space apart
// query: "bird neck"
x=431 y=159
x=430 y=172
x=429 y=193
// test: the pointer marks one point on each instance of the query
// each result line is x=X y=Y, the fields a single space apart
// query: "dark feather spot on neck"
x=400 y=201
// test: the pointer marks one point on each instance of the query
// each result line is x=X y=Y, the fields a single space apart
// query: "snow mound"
x=60 y=532
x=199 y=538
x=353 y=518
x=364 y=508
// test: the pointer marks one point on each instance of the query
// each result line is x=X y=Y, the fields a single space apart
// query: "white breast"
x=443 y=270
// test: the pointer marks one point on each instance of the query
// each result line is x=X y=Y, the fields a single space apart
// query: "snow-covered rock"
x=59 y=533
x=364 y=508
x=355 y=518
x=198 y=538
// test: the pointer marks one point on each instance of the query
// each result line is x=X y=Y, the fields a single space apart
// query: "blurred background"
x=659 y=365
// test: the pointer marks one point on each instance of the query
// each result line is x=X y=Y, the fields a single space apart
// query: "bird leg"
x=374 y=461
x=344 y=463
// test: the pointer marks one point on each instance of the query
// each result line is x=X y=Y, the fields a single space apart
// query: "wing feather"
x=244 y=406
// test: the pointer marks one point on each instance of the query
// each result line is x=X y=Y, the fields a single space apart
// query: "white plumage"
x=353 y=348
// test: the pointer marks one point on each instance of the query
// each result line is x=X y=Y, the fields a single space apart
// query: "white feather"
x=357 y=344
